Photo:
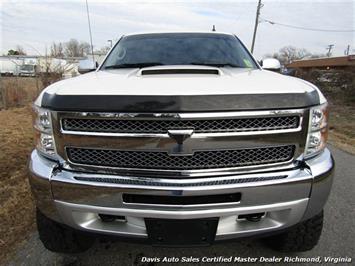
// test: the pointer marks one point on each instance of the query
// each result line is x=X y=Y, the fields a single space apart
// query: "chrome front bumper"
x=61 y=196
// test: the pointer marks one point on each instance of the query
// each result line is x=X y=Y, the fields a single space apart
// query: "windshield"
x=27 y=67
x=179 y=49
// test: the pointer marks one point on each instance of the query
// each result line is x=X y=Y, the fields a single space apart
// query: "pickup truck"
x=180 y=139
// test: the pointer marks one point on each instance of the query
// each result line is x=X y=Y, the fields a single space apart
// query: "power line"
x=305 y=28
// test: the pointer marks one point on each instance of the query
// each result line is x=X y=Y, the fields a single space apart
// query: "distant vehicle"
x=288 y=71
x=27 y=70
x=9 y=67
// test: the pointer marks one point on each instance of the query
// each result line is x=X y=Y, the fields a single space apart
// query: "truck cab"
x=27 y=70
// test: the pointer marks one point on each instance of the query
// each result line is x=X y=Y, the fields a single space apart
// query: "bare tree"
x=20 y=50
x=51 y=70
x=85 y=48
x=288 y=54
x=103 y=50
x=74 y=48
x=57 y=50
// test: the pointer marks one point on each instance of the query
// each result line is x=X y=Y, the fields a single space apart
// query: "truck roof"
x=179 y=32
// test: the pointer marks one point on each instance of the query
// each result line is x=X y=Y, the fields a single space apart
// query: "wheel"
x=57 y=237
x=301 y=237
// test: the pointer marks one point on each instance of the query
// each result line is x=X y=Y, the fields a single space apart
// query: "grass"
x=18 y=91
x=342 y=126
x=16 y=203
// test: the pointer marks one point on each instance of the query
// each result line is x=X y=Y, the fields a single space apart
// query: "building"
x=26 y=65
x=327 y=63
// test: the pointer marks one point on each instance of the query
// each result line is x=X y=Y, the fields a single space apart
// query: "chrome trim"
x=196 y=135
x=190 y=214
x=196 y=115
x=295 y=175
x=177 y=183
x=279 y=215
x=198 y=141
x=181 y=173
x=322 y=168
x=63 y=186
x=180 y=116
x=147 y=170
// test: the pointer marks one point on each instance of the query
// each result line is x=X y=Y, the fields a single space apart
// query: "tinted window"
x=179 y=49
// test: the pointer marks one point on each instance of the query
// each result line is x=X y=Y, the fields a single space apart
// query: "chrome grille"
x=199 y=126
x=163 y=161
x=132 y=181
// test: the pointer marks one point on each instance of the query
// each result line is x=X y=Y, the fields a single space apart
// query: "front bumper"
x=76 y=199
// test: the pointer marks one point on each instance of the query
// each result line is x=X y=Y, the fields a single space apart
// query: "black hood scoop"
x=162 y=71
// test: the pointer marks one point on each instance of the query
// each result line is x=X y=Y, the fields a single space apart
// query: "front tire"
x=301 y=237
x=57 y=237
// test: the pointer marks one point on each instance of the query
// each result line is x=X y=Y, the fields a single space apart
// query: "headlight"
x=42 y=123
x=318 y=130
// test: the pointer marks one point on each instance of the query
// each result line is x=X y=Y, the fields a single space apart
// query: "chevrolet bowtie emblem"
x=180 y=135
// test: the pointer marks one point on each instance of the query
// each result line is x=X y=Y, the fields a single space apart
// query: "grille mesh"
x=163 y=161
x=199 y=126
x=166 y=184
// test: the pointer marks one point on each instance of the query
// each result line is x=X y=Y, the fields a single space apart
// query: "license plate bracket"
x=176 y=233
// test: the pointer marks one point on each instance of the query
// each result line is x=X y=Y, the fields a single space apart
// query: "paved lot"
x=337 y=239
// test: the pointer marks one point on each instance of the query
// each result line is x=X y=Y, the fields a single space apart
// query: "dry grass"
x=16 y=204
x=342 y=126
x=19 y=91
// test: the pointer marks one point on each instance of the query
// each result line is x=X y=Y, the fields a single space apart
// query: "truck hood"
x=179 y=88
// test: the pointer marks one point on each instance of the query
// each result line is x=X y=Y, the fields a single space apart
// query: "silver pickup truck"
x=180 y=139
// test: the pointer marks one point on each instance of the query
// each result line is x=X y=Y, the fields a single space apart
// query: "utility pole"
x=347 y=50
x=329 y=48
x=92 y=47
x=260 y=5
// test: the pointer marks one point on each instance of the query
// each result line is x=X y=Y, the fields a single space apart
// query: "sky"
x=34 y=25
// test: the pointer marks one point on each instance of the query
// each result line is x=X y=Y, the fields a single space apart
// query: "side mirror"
x=87 y=65
x=271 y=64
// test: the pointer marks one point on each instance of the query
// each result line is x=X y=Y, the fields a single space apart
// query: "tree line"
x=288 y=54
x=75 y=48
x=71 y=48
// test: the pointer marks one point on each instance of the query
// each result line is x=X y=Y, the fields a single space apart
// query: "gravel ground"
x=337 y=239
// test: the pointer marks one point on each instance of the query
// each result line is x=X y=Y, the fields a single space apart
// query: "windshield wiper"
x=216 y=64
x=134 y=65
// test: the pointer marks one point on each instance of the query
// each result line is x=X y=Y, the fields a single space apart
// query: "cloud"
x=36 y=24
